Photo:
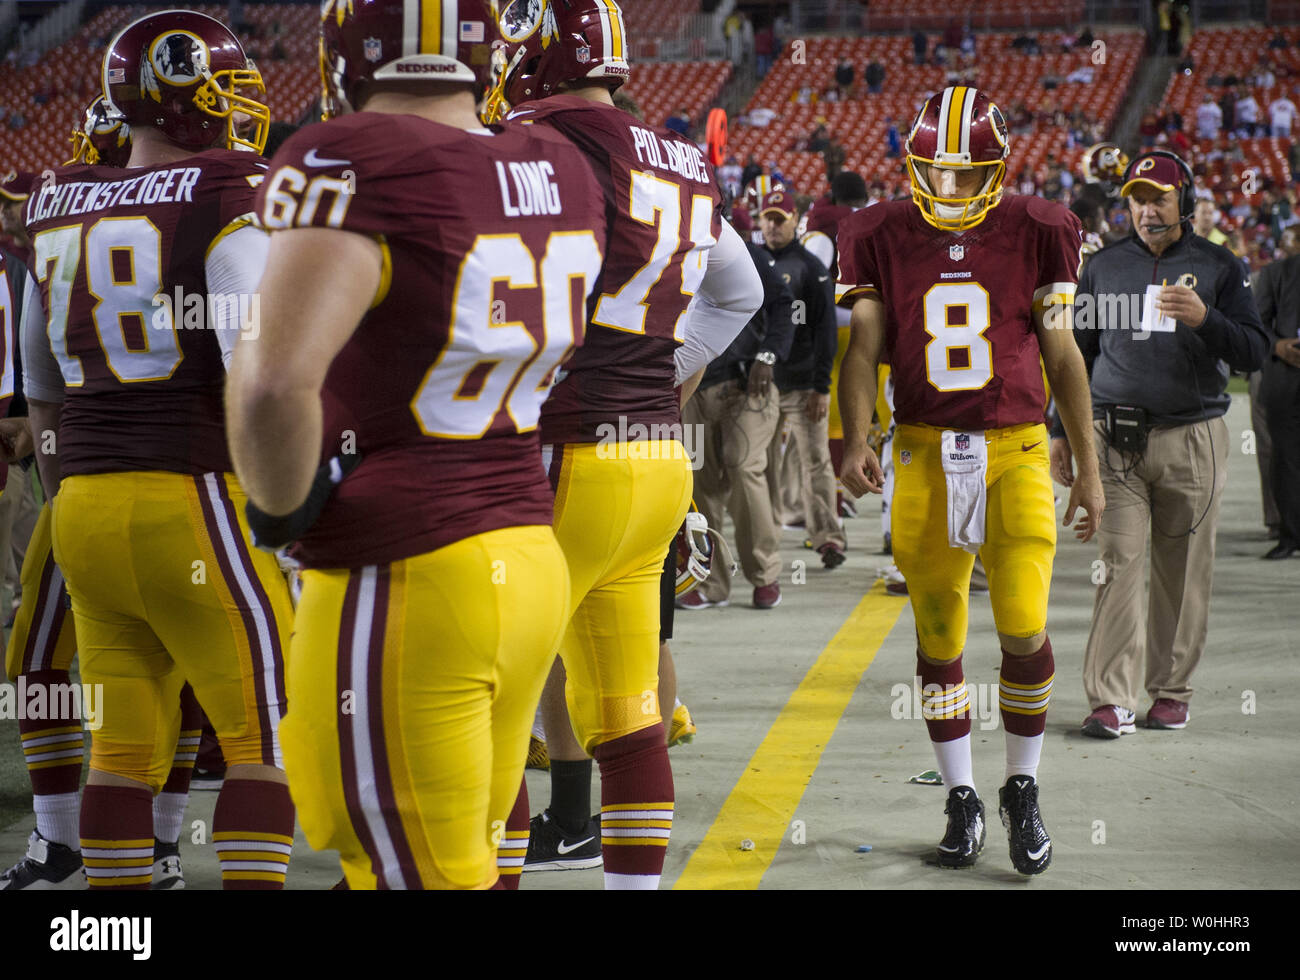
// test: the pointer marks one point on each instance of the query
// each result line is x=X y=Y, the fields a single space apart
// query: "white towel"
x=965 y=460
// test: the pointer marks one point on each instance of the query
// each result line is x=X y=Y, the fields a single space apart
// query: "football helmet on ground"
x=958 y=128
x=695 y=546
x=185 y=73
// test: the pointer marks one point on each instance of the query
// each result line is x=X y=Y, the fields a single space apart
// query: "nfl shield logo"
x=956 y=252
x=905 y=456
x=583 y=55
x=963 y=441
x=373 y=49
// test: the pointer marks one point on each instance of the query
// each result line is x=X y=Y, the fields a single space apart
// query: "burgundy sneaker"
x=693 y=600
x=1110 y=721
x=767 y=596
x=1168 y=713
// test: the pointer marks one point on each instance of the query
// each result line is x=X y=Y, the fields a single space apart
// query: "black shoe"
x=550 y=849
x=962 y=844
x=167 y=873
x=888 y=548
x=47 y=866
x=1283 y=550
x=832 y=556
x=1031 y=848
x=207 y=780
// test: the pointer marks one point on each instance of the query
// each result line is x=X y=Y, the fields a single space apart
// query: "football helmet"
x=186 y=73
x=757 y=190
x=695 y=547
x=1105 y=164
x=958 y=128
x=550 y=42
x=102 y=137
x=403 y=41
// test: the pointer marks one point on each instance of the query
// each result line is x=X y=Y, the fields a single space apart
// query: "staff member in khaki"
x=1159 y=397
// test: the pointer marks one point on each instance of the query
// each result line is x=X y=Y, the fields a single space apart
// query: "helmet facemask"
x=248 y=120
x=954 y=213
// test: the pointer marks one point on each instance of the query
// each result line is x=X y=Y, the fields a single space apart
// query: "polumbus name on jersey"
x=682 y=159
x=535 y=191
x=198 y=311
x=57 y=200
x=102 y=933
x=1098 y=311
x=654 y=441
x=50 y=702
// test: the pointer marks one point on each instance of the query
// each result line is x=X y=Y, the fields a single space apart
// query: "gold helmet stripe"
x=612 y=21
x=954 y=102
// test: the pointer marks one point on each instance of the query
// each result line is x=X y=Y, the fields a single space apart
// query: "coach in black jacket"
x=735 y=411
x=1160 y=317
x=1277 y=293
x=805 y=377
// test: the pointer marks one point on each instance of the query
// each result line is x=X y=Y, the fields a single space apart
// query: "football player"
x=43 y=643
x=622 y=478
x=963 y=290
x=146 y=278
x=425 y=281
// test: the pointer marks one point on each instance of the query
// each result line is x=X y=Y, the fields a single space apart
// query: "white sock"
x=630 y=883
x=58 y=818
x=539 y=730
x=677 y=703
x=1023 y=753
x=168 y=815
x=954 y=762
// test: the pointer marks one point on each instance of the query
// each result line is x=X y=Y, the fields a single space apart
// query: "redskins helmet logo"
x=1000 y=129
x=178 y=58
x=1145 y=165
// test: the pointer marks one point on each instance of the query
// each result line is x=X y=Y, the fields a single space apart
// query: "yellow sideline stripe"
x=762 y=803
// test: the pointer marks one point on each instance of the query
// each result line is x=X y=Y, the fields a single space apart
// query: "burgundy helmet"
x=102 y=137
x=958 y=128
x=183 y=72
x=550 y=42
x=403 y=41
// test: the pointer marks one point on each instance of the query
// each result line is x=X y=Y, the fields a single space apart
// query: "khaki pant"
x=1175 y=486
x=733 y=477
x=18 y=513
x=1263 y=449
x=810 y=440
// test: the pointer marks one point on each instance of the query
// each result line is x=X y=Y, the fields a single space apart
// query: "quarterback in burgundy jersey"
x=426 y=278
x=677 y=285
x=963 y=292
x=147 y=276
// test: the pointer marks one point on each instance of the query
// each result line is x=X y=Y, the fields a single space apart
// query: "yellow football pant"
x=617 y=509
x=166 y=587
x=413 y=688
x=1019 y=537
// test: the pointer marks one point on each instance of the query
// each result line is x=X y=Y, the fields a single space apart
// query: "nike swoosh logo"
x=520 y=112
x=1025 y=449
x=822 y=278
x=573 y=847
x=312 y=160
x=1038 y=854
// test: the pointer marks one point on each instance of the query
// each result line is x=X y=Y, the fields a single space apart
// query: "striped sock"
x=945 y=706
x=169 y=804
x=636 y=812
x=117 y=836
x=1024 y=691
x=53 y=746
x=252 y=830
x=513 y=846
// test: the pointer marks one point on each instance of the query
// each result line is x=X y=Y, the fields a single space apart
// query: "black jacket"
x=771 y=328
x=1277 y=296
x=1179 y=377
x=808 y=366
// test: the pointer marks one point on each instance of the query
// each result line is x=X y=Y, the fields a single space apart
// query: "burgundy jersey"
x=13 y=278
x=824 y=219
x=491 y=243
x=664 y=212
x=119 y=256
x=959 y=309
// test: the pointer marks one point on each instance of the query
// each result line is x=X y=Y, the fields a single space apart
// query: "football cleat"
x=964 y=841
x=682 y=729
x=550 y=849
x=47 y=866
x=538 y=757
x=1031 y=848
x=167 y=873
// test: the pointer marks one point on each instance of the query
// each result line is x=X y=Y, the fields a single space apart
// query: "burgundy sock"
x=636 y=802
x=1024 y=689
x=945 y=702
x=117 y=836
x=252 y=830
x=514 y=843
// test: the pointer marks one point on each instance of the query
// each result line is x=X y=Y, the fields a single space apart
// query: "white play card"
x=1150 y=321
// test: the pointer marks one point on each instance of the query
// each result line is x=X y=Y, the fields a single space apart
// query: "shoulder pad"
x=867 y=220
x=1046 y=212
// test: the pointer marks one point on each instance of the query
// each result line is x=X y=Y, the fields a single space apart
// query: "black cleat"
x=47 y=866
x=550 y=849
x=962 y=844
x=1031 y=848
x=167 y=872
